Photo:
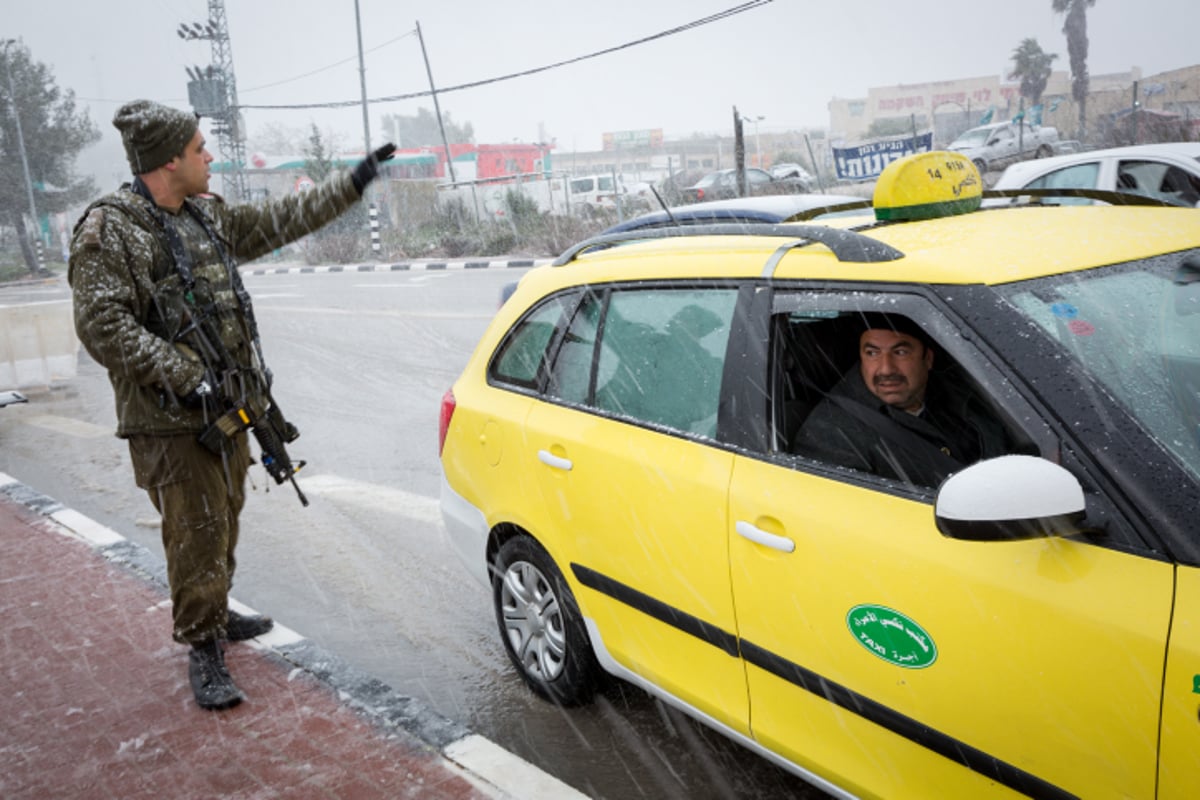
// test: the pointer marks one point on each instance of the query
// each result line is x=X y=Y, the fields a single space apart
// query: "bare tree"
x=275 y=138
x=1075 y=29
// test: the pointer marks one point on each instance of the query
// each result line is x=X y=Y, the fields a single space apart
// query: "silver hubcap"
x=533 y=620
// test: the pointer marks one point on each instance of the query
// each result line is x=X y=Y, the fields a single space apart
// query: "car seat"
x=1179 y=188
x=1128 y=182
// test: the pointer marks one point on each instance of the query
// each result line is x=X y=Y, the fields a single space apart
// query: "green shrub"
x=522 y=209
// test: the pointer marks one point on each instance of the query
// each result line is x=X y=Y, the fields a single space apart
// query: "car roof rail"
x=1109 y=196
x=846 y=245
x=818 y=211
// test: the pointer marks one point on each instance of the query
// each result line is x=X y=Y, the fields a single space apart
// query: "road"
x=361 y=362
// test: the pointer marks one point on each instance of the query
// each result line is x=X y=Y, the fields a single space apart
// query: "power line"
x=720 y=15
x=327 y=68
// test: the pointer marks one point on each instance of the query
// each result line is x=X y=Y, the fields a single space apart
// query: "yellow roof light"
x=928 y=185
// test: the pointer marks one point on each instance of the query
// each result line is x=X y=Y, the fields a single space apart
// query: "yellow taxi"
x=907 y=503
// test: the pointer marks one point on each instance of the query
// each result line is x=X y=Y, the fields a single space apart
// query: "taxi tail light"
x=447 y=411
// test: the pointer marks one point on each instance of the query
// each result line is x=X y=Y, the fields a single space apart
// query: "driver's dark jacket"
x=128 y=301
x=952 y=431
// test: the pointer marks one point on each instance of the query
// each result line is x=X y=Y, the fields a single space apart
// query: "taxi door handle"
x=759 y=536
x=551 y=460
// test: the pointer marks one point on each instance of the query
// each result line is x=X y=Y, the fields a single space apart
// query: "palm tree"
x=1032 y=65
x=1075 y=28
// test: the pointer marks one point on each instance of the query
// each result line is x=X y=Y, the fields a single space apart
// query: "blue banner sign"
x=866 y=161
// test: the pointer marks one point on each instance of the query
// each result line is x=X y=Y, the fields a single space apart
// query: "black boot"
x=211 y=684
x=239 y=627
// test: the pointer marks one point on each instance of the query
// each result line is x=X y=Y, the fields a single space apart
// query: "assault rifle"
x=236 y=409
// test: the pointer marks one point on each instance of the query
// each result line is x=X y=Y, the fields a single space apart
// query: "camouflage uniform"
x=129 y=307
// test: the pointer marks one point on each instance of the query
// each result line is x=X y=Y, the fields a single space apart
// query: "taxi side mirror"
x=1009 y=498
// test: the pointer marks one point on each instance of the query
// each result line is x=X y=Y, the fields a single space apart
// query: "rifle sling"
x=183 y=261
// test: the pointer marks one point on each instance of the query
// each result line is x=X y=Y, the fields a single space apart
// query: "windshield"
x=1135 y=328
x=977 y=137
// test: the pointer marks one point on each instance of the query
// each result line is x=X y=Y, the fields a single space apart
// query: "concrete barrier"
x=38 y=346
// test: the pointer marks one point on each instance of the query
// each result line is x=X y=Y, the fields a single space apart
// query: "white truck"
x=993 y=147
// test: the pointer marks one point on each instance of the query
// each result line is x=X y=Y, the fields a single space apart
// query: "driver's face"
x=895 y=367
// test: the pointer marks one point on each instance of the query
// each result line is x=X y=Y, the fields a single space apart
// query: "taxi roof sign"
x=928 y=185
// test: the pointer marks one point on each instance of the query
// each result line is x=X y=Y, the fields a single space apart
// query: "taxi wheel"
x=540 y=624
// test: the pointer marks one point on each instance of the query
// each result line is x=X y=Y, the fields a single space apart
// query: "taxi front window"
x=1136 y=330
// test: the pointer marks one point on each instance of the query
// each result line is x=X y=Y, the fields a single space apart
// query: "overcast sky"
x=783 y=61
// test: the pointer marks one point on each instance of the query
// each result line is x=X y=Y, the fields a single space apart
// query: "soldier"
x=147 y=262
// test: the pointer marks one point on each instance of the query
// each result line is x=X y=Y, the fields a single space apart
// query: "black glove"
x=367 y=170
x=198 y=396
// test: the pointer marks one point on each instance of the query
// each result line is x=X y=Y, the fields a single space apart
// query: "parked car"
x=766 y=210
x=620 y=472
x=8 y=398
x=594 y=193
x=723 y=184
x=672 y=187
x=795 y=171
x=993 y=147
x=1170 y=172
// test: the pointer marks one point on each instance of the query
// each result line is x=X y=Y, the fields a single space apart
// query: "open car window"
x=827 y=411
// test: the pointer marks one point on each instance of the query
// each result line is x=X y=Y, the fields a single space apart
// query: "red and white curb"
x=492 y=769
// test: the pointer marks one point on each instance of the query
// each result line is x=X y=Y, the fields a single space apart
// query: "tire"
x=1043 y=152
x=540 y=624
x=981 y=165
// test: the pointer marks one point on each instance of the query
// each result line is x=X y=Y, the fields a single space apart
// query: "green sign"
x=891 y=636
x=1196 y=684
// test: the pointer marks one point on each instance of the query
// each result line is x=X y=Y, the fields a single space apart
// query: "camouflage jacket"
x=129 y=302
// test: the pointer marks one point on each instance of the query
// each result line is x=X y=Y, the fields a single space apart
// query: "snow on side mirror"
x=1007 y=498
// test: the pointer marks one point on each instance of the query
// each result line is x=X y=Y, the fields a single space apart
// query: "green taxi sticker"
x=892 y=636
x=1196 y=684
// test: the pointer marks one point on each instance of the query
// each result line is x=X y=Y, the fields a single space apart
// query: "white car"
x=1170 y=172
x=9 y=398
x=592 y=193
x=995 y=146
x=792 y=170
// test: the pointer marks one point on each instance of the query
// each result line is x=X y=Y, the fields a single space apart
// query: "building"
x=950 y=107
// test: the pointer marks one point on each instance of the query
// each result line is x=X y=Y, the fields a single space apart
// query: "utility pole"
x=437 y=109
x=1133 y=111
x=372 y=210
x=739 y=153
x=213 y=94
x=362 y=82
x=39 y=258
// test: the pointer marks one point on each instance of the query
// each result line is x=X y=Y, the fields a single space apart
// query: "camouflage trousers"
x=199 y=496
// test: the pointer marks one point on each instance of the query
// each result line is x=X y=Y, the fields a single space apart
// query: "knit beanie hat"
x=152 y=133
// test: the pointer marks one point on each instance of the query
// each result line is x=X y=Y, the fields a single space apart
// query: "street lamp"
x=12 y=99
x=757 y=140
